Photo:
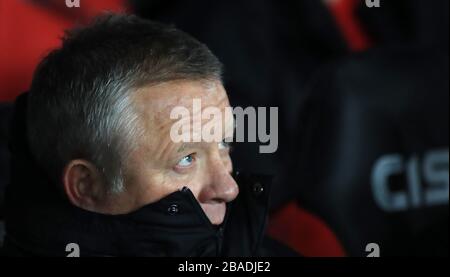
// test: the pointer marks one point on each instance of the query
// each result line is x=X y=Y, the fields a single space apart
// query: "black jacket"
x=41 y=222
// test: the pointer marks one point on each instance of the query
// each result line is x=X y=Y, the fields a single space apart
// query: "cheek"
x=150 y=186
x=197 y=179
x=194 y=180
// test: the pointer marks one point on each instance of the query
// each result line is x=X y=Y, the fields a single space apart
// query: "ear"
x=83 y=184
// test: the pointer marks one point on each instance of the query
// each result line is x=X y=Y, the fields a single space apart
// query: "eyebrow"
x=185 y=145
x=182 y=147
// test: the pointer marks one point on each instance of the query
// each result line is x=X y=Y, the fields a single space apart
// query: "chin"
x=215 y=212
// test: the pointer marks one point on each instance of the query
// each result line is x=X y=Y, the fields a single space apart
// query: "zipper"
x=219 y=240
x=218 y=232
x=198 y=208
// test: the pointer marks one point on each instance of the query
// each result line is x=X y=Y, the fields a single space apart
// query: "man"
x=94 y=165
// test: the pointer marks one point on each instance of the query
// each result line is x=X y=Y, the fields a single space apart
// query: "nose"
x=221 y=186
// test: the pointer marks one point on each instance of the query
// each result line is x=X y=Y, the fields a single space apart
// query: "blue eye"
x=186 y=161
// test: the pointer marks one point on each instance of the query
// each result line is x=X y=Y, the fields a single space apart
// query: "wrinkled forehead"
x=155 y=103
x=166 y=96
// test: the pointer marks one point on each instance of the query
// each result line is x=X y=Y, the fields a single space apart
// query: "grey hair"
x=80 y=102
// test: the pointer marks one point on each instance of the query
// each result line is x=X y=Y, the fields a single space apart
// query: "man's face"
x=160 y=166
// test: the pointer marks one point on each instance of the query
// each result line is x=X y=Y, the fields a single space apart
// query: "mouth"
x=215 y=212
